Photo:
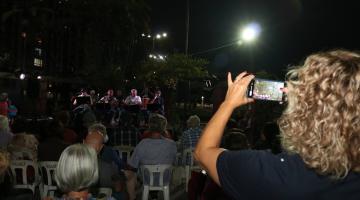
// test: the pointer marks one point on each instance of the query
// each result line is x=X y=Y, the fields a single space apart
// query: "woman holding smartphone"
x=320 y=132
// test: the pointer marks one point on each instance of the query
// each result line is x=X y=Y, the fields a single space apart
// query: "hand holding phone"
x=268 y=90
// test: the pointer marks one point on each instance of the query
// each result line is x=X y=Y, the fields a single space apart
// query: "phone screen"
x=266 y=89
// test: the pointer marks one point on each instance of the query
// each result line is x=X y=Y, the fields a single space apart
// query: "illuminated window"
x=38 y=62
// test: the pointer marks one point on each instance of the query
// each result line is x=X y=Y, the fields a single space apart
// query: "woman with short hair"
x=76 y=171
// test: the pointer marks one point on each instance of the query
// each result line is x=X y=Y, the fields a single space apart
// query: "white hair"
x=193 y=121
x=100 y=129
x=77 y=168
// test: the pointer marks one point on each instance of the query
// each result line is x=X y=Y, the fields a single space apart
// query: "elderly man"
x=109 y=174
x=133 y=98
x=155 y=149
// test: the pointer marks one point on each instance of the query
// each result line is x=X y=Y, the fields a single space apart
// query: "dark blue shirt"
x=261 y=175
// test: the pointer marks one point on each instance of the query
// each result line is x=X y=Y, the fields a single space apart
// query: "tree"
x=167 y=73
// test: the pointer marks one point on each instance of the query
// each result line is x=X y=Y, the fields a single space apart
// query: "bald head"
x=95 y=140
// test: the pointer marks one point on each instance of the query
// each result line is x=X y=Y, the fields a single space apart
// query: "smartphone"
x=268 y=90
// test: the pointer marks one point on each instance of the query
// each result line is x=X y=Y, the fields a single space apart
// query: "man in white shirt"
x=133 y=98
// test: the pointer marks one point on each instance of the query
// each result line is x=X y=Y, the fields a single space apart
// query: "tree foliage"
x=167 y=73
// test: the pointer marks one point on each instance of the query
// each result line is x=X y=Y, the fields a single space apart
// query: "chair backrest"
x=25 y=173
x=156 y=176
x=187 y=156
x=47 y=171
x=124 y=152
x=106 y=191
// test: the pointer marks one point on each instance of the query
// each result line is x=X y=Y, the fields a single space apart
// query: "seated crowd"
x=61 y=144
x=317 y=157
x=155 y=145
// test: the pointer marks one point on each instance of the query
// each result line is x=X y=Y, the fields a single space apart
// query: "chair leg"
x=187 y=174
x=145 y=194
x=166 y=193
x=45 y=191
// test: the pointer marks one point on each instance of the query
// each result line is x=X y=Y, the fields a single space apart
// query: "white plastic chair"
x=178 y=171
x=23 y=165
x=124 y=152
x=106 y=191
x=149 y=174
x=189 y=164
x=48 y=185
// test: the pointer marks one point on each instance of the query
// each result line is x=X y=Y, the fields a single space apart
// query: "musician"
x=133 y=98
x=158 y=100
x=82 y=93
x=93 y=97
x=109 y=97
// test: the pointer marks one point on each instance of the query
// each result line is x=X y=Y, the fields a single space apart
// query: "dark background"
x=291 y=30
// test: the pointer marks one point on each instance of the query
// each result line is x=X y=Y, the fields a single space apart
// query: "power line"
x=215 y=48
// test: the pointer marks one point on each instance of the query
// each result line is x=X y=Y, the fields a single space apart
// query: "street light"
x=158 y=36
x=22 y=76
x=157 y=57
x=250 y=32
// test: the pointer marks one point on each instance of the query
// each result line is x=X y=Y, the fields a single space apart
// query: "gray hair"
x=100 y=129
x=193 y=121
x=4 y=124
x=158 y=123
x=77 y=168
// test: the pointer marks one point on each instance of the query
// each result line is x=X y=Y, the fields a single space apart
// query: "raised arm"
x=208 y=148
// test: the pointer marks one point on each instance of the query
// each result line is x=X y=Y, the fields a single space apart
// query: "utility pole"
x=187 y=21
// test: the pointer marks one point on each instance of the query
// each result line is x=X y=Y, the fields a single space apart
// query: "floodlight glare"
x=158 y=36
x=251 y=32
x=22 y=76
x=39 y=77
x=164 y=34
x=161 y=57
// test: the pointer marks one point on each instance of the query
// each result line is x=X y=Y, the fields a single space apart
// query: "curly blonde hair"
x=322 y=120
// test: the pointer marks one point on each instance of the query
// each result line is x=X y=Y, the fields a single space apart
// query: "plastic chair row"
x=26 y=176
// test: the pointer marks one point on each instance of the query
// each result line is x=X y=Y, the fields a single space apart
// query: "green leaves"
x=174 y=68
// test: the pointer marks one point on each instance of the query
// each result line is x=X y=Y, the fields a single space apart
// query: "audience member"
x=319 y=129
x=4 y=106
x=5 y=133
x=5 y=175
x=191 y=135
x=69 y=136
x=83 y=118
x=106 y=153
x=156 y=126
x=269 y=138
x=109 y=175
x=150 y=151
x=23 y=147
x=77 y=171
x=51 y=148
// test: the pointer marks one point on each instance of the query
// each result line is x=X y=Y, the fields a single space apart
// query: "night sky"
x=291 y=30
